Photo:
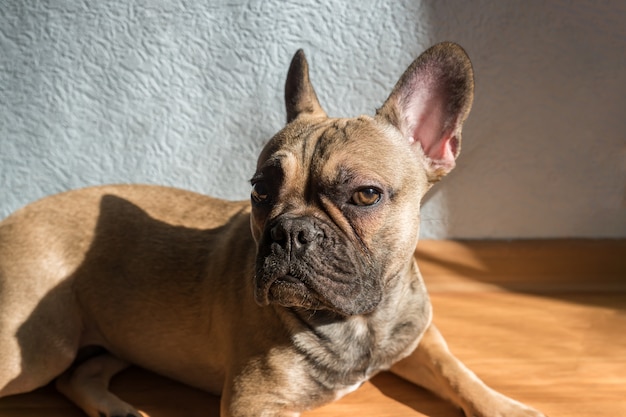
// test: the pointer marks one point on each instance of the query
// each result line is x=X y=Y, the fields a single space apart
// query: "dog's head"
x=336 y=202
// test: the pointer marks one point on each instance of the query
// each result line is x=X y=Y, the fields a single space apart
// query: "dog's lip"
x=262 y=294
x=286 y=279
x=274 y=289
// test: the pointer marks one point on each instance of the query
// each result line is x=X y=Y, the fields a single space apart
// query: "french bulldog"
x=279 y=304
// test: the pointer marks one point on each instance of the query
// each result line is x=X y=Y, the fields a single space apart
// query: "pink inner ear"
x=425 y=123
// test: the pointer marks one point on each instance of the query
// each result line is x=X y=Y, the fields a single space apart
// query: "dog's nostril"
x=303 y=238
x=277 y=234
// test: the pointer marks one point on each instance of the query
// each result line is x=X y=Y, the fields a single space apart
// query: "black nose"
x=296 y=233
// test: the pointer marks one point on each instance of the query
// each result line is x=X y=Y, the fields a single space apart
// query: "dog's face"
x=335 y=202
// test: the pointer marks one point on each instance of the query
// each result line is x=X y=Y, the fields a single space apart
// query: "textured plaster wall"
x=185 y=94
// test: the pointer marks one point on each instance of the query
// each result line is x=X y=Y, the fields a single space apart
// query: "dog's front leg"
x=433 y=367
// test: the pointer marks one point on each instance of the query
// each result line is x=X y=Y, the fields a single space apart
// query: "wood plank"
x=524 y=265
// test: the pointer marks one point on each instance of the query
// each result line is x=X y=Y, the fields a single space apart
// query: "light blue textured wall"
x=185 y=94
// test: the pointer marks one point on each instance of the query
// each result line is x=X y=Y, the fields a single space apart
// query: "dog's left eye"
x=260 y=193
x=366 y=197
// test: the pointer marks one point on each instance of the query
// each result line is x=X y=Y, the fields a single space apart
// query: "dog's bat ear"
x=430 y=102
x=300 y=97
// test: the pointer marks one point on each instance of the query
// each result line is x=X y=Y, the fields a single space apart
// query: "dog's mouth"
x=289 y=291
x=282 y=288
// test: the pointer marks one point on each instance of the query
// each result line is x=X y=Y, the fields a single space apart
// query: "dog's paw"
x=516 y=410
x=501 y=406
x=521 y=412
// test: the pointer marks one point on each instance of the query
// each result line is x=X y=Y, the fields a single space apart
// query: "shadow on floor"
x=567 y=269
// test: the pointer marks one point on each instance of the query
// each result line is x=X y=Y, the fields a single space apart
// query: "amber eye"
x=260 y=193
x=366 y=197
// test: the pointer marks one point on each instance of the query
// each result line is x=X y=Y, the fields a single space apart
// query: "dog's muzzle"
x=304 y=262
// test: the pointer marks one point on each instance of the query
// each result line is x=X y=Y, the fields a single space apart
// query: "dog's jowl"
x=278 y=304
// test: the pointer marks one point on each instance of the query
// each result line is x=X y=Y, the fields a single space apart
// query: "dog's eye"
x=260 y=193
x=366 y=197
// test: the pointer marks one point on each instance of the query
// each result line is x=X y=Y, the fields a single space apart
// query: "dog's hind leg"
x=27 y=363
x=39 y=334
x=88 y=387
x=40 y=321
x=19 y=374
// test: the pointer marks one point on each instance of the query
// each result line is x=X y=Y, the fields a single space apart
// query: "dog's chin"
x=288 y=291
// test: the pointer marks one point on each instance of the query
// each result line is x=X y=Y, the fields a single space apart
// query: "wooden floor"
x=542 y=321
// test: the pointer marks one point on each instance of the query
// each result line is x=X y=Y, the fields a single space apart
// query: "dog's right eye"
x=366 y=197
x=260 y=193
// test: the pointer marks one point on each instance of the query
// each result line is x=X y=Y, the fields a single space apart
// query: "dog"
x=279 y=304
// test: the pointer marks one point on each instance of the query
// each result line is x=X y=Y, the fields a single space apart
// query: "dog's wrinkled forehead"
x=336 y=150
